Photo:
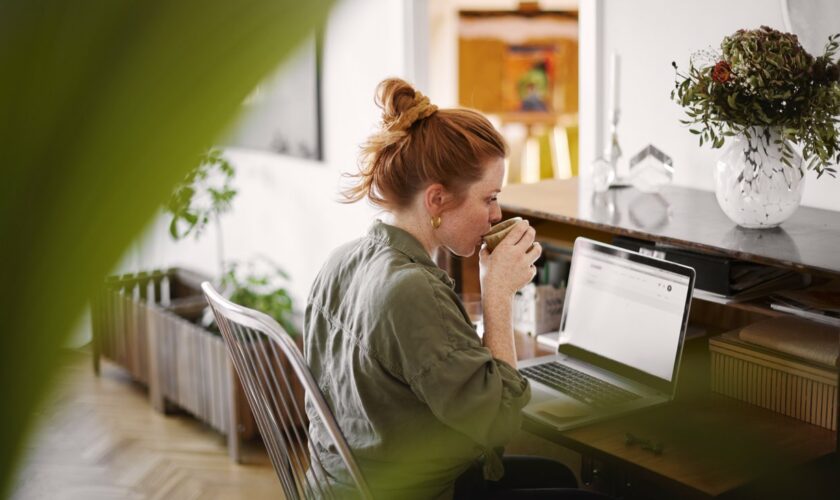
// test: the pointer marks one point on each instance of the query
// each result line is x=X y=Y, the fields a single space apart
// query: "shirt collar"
x=404 y=242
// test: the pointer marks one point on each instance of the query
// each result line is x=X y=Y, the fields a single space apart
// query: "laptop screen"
x=626 y=307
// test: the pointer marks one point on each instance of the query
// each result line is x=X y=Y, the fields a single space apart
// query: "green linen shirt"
x=416 y=394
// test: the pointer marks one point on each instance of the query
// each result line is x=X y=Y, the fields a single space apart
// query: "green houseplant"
x=259 y=284
x=188 y=216
x=204 y=195
x=767 y=94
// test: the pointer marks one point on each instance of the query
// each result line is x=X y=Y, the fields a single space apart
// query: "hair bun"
x=401 y=104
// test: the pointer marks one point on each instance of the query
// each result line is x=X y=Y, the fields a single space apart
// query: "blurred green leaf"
x=106 y=105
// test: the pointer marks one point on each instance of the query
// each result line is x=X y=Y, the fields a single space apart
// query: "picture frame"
x=528 y=78
x=283 y=114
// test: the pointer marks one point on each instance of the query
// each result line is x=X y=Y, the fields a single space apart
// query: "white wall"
x=286 y=207
x=648 y=35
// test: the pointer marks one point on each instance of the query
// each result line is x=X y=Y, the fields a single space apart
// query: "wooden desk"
x=714 y=446
x=711 y=446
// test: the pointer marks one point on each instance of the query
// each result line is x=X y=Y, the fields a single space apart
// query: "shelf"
x=760 y=305
x=556 y=246
x=806 y=242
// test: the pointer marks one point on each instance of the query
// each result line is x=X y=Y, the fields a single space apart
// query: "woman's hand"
x=504 y=271
x=510 y=266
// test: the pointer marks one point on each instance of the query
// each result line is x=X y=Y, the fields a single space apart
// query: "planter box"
x=145 y=323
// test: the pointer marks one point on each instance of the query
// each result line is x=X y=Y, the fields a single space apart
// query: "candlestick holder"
x=605 y=167
x=613 y=151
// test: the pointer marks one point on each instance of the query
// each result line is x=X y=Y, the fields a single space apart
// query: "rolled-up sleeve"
x=449 y=369
x=475 y=394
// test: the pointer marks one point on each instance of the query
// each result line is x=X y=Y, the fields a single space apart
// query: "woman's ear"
x=436 y=198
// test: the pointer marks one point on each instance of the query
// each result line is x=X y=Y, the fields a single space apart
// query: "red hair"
x=419 y=144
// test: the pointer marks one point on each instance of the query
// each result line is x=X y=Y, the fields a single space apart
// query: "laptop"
x=621 y=337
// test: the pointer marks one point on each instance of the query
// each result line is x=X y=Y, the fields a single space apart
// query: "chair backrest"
x=275 y=379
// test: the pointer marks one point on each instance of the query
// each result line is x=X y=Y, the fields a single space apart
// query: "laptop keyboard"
x=578 y=385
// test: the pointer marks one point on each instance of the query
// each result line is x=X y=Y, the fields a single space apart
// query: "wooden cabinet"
x=714 y=445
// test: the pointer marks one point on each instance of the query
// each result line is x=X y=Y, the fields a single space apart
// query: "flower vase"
x=754 y=185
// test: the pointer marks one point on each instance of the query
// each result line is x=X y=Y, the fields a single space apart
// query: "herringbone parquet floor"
x=98 y=438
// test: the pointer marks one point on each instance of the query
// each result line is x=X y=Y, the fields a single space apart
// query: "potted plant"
x=778 y=104
x=157 y=324
x=260 y=286
x=205 y=194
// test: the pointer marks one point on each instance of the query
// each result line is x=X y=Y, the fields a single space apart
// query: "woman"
x=419 y=396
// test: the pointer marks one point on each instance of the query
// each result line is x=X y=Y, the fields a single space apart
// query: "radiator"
x=800 y=389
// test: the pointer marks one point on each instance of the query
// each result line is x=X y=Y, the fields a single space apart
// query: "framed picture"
x=283 y=114
x=528 y=78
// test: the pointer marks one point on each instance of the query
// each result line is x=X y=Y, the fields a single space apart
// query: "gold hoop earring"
x=436 y=222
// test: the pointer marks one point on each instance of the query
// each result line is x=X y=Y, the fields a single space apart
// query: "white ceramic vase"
x=753 y=186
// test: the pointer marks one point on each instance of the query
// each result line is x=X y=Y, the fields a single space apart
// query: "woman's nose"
x=496 y=215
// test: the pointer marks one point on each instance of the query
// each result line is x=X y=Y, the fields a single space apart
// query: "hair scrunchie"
x=421 y=109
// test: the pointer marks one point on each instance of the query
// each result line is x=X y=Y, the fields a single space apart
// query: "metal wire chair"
x=274 y=377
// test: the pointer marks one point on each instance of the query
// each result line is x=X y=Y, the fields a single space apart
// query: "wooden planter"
x=145 y=323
